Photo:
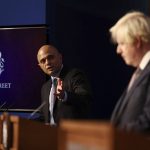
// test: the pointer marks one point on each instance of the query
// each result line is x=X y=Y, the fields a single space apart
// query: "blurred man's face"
x=130 y=52
x=50 y=60
x=127 y=52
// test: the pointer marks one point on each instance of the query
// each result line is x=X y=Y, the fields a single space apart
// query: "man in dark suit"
x=132 y=35
x=72 y=94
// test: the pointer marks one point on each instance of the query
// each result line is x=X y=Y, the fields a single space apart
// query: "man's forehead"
x=46 y=52
x=45 y=55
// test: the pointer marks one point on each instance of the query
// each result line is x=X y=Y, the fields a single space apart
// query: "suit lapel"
x=47 y=90
x=142 y=75
x=126 y=95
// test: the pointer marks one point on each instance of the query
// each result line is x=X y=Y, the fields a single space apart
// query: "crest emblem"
x=1 y=63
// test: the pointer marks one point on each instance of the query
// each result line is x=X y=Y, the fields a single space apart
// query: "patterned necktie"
x=52 y=99
x=134 y=77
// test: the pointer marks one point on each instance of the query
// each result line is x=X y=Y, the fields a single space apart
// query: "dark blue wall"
x=22 y=12
x=80 y=29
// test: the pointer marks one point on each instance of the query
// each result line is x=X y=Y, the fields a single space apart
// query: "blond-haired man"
x=132 y=35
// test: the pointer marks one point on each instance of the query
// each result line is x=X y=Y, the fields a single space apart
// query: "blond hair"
x=132 y=25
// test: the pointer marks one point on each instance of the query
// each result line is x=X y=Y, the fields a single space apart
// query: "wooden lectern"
x=29 y=135
x=96 y=135
x=70 y=135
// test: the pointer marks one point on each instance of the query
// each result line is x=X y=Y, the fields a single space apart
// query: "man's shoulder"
x=70 y=71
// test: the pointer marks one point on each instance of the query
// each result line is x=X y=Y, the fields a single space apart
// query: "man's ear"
x=138 y=42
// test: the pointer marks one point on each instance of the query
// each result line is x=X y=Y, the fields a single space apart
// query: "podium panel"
x=97 y=135
x=30 y=135
x=70 y=135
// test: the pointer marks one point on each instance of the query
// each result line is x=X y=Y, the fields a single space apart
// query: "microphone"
x=36 y=110
x=6 y=108
x=3 y=104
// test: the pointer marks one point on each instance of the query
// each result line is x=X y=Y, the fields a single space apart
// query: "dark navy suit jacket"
x=132 y=111
x=77 y=105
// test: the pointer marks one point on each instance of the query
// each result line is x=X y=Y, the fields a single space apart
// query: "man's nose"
x=47 y=61
x=118 y=49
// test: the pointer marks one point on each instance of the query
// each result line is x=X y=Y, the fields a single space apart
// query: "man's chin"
x=50 y=73
x=128 y=63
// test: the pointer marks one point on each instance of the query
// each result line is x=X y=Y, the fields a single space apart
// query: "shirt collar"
x=145 y=60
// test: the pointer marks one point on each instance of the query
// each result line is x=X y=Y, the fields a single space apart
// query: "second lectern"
x=98 y=135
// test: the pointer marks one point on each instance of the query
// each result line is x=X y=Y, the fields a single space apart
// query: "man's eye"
x=42 y=61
